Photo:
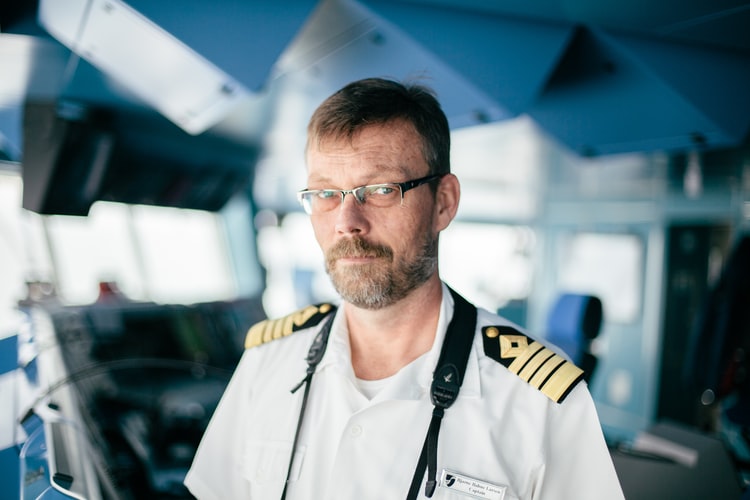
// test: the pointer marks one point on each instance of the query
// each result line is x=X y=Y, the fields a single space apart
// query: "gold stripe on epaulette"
x=279 y=329
x=268 y=331
x=524 y=356
x=272 y=329
x=561 y=381
x=539 y=366
x=286 y=326
x=545 y=371
x=254 y=336
x=537 y=362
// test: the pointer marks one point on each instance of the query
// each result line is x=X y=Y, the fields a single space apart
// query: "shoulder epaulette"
x=542 y=368
x=272 y=329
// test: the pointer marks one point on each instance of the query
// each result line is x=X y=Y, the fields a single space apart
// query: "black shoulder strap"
x=314 y=356
x=446 y=382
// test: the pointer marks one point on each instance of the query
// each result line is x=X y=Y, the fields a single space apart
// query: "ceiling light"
x=144 y=58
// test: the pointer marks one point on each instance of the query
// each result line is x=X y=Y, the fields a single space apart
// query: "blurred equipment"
x=113 y=397
x=717 y=367
x=75 y=155
x=671 y=461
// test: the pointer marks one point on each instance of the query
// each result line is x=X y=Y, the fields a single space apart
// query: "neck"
x=385 y=340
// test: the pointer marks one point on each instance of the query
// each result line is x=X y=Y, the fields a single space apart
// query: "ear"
x=446 y=201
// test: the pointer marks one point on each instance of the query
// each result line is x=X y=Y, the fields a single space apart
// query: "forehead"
x=394 y=146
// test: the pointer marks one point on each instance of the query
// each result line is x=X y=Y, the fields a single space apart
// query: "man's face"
x=375 y=256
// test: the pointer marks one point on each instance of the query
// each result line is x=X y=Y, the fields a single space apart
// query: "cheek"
x=423 y=216
x=409 y=238
x=323 y=233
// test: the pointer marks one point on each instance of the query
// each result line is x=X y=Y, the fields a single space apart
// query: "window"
x=152 y=253
x=23 y=254
x=607 y=265
x=490 y=264
x=156 y=254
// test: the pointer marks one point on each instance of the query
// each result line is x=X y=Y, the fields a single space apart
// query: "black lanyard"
x=446 y=383
x=314 y=355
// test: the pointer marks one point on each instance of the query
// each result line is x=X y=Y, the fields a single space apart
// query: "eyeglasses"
x=318 y=201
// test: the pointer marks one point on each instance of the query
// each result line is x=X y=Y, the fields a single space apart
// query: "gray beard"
x=375 y=286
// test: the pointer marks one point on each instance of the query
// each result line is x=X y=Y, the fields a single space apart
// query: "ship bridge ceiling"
x=174 y=77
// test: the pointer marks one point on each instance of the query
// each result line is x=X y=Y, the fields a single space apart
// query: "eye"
x=327 y=194
x=381 y=190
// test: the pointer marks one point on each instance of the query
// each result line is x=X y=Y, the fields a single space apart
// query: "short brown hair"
x=376 y=101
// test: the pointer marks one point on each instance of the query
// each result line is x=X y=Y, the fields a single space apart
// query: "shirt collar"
x=414 y=380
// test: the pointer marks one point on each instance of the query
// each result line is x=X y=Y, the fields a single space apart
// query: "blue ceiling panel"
x=604 y=99
x=596 y=89
x=243 y=38
x=715 y=81
x=508 y=58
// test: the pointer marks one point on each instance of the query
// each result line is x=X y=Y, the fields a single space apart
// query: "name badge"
x=471 y=487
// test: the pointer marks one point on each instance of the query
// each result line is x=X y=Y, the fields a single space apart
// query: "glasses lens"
x=319 y=201
x=305 y=201
x=325 y=200
x=379 y=195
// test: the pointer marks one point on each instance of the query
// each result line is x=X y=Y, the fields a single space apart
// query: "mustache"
x=357 y=247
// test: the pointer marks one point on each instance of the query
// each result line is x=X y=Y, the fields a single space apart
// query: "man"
x=381 y=410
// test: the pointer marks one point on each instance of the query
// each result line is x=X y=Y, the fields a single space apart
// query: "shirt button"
x=355 y=430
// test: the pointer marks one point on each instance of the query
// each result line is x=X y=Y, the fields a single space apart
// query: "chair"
x=574 y=321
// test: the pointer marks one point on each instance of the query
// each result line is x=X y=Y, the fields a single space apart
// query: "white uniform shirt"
x=500 y=431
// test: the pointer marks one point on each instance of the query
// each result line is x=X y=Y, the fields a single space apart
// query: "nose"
x=350 y=218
